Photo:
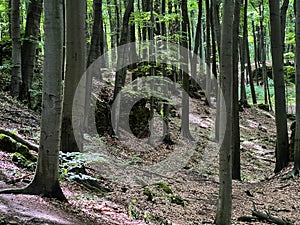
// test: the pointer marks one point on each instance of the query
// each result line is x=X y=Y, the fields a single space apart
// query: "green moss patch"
x=10 y=145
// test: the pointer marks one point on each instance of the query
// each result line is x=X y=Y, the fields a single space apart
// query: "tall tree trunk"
x=243 y=97
x=283 y=10
x=45 y=181
x=243 y=52
x=208 y=51
x=297 y=133
x=224 y=208
x=16 y=74
x=282 y=148
x=97 y=41
x=185 y=122
x=121 y=73
x=262 y=51
x=75 y=67
x=249 y=69
x=236 y=159
x=29 y=47
x=255 y=50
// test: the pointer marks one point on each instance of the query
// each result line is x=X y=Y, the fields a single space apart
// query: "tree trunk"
x=121 y=73
x=208 y=51
x=236 y=159
x=283 y=10
x=297 y=133
x=185 y=122
x=243 y=97
x=45 y=181
x=16 y=75
x=255 y=49
x=75 y=67
x=224 y=208
x=97 y=40
x=29 y=47
x=282 y=148
x=249 y=70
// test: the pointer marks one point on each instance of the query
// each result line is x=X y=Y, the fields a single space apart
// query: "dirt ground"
x=194 y=188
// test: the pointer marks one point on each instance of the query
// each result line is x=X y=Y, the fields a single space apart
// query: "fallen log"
x=270 y=218
x=20 y=139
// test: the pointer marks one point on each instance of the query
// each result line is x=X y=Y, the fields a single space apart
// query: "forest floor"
x=189 y=197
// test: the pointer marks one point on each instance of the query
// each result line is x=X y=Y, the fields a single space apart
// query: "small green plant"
x=72 y=162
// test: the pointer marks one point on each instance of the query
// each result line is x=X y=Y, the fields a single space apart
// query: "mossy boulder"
x=21 y=161
x=10 y=145
x=24 y=150
x=7 y=143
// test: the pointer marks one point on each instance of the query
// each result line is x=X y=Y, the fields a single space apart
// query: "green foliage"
x=164 y=187
x=71 y=162
x=21 y=161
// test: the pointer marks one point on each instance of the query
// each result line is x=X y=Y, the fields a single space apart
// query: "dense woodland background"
x=244 y=53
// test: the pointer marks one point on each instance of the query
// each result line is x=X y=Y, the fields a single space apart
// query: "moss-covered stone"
x=24 y=150
x=7 y=144
x=21 y=161
x=10 y=145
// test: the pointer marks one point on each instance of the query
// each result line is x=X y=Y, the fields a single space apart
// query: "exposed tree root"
x=18 y=138
x=35 y=189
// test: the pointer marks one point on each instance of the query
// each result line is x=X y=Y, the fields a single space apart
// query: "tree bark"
x=97 y=40
x=45 y=181
x=283 y=10
x=236 y=159
x=185 y=122
x=75 y=67
x=224 y=207
x=297 y=133
x=16 y=74
x=31 y=36
x=282 y=147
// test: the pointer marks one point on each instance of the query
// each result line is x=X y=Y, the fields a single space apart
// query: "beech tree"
x=282 y=144
x=45 y=181
x=236 y=159
x=31 y=36
x=297 y=133
x=224 y=207
x=16 y=75
x=75 y=67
